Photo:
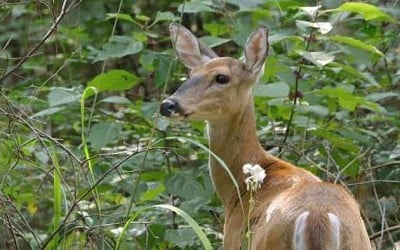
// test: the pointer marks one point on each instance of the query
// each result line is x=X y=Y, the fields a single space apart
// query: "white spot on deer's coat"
x=335 y=229
x=270 y=211
x=299 y=242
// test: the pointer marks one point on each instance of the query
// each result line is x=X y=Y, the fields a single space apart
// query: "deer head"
x=218 y=86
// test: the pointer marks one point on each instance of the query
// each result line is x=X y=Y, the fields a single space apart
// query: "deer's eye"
x=222 y=79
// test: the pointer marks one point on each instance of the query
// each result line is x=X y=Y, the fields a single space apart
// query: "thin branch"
x=297 y=95
x=384 y=231
x=88 y=191
x=51 y=30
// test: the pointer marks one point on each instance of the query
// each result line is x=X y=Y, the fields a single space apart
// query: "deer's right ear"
x=190 y=51
x=256 y=51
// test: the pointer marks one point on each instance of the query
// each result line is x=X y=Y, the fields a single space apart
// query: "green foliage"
x=86 y=162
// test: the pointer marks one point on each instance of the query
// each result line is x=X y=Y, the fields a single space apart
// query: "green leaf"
x=59 y=96
x=374 y=97
x=277 y=89
x=119 y=46
x=165 y=16
x=120 y=16
x=246 y=4
x=181 y=237
x=323 y=27
x=162 y=66
x=113 y=80
x=185 y=185
x=282 y=36
x=192 y=223
x=318 y=58
x=336 y=140
x=213 y=41
x=368 y=11
x=142 y=18
x=318 y=110
x=195 y=7
x=345 y=98
x=356 y=43
x=104 y=133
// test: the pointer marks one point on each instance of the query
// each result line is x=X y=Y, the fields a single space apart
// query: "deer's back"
x=294 y=207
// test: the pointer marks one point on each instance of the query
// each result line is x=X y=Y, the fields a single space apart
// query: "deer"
x=292 y=208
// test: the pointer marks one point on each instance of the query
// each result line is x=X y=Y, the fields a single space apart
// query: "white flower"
x=256 y=178
x=117 y=231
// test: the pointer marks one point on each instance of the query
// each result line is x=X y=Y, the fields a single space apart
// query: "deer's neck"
x=235 y=141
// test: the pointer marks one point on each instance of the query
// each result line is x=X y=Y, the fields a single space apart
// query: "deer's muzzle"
x=170 y=107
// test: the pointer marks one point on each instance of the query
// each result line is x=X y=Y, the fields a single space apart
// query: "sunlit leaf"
x=120 y=16
x=318 y=58
x=119 y=46
x=311 y=11
x=59 y=96
x=323 y=27
x=368 y=11
x=165 y=16
x=277 y=89
x=194 y=7
x=104 y=133
x=113 y=80
x=356 y=43
x=213 y=41
x=247 y=4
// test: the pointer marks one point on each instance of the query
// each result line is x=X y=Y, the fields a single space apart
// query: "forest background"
x=86 y=162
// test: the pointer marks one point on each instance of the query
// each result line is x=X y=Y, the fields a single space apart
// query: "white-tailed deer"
x=293 y=209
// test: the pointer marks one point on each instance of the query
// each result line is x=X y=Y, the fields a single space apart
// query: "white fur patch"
x=335 y=230
x=270 y=211
x=299 y=242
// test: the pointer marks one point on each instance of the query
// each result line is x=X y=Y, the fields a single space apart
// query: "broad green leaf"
x=282 y=36
x=113 y=80
x=356 y=43
x=374 y=97
x=120 y=16
x=142 y=18
x=152 y=192
x=318 y=110
x=280 y=111
x=192 y=223
x=119 y=46
x=195 y=7
x=184 y=185
x=277 y=89
x=165 y=16
x=246 y=4
x=318 y=58
x=162 y=66
x=213 y=41
x=59 y=96
x=104 y=133
x=216 y=28
x=336 y=140
x=181 y=237
x=323 y=27
x=368 y=11
x=345 y=98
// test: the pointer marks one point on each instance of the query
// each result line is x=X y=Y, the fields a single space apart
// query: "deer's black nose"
x=168 y=107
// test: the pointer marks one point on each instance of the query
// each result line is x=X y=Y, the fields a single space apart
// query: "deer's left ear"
x=190 y=51
x=256 y=51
